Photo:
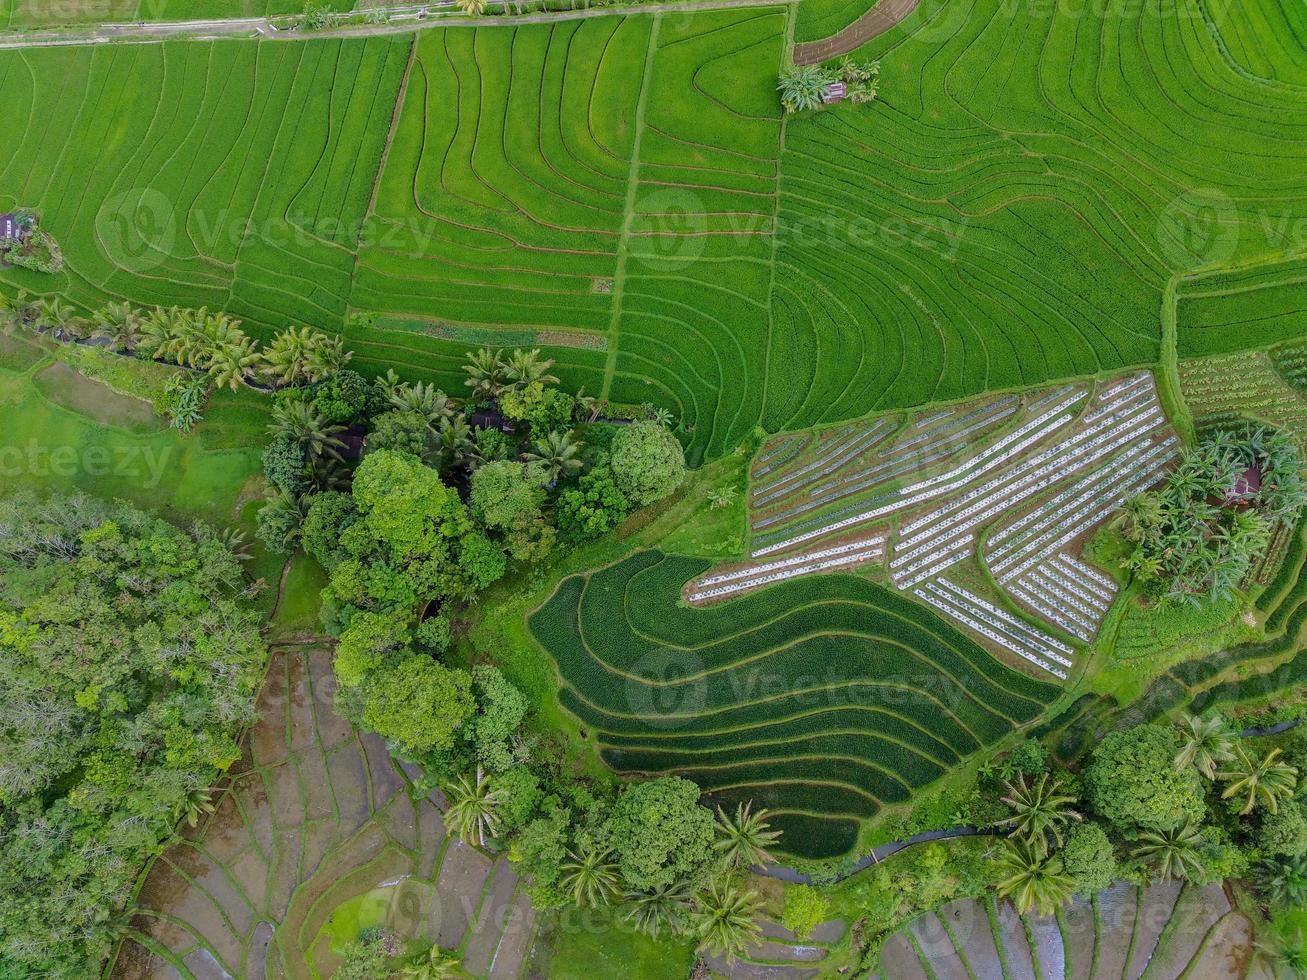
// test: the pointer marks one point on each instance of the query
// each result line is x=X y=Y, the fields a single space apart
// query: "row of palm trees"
x=1031 y=873
x=211 y=343
x=719 y=914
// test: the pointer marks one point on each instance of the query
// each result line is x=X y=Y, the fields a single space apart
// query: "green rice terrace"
x=734 y=489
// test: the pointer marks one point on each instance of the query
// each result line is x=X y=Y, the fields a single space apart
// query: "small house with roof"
x=13 y=230
x=834 y=92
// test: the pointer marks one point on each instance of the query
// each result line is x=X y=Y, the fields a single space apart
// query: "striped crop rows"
x=822 y=698
x=1016 y=483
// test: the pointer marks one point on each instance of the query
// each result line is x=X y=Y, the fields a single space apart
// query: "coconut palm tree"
x=473 y=812
x=1283 y=880
x=473 y=8
x=590 y=875
x=1174 y=853
x=50 y=313
x=328 y=356
x=195 y=804
x=425 y=399
x=666 y=908
x=120 y=324
x=1204 y=743
x=723 y=917
x=301 y=422
x=1034 y=881
x=434 y=964
x=454 y=443
x=485 y=373
x=1266 y=781
x=1040 y=811
x=527 y=368
x=743 y=837
x=801 y=87
x=14 y=311
x=293 y=357
x=587 y=406
x=558 y=453
x=232 y=362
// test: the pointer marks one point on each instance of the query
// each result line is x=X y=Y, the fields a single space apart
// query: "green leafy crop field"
x=823 y=699
x=623 y=191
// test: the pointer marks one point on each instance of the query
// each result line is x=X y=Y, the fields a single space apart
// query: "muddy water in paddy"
x=315 y=831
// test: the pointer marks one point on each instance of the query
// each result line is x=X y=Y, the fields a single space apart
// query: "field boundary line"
x=401 y=96
x=628 y=212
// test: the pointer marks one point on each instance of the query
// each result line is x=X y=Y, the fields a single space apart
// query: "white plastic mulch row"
x=752 y=570
x=1089 y=578
x=971 y=618
x=1002 y=541
x=1123 y=385
x=1087 y=616
x=868 y=553
x=923 y=422
x=774 y=459
x=1049 y=613
x=933 y=563
x=1104 y=504
x=996 y=455
x=983 y=416
x=1039 y=472
x=831 y=461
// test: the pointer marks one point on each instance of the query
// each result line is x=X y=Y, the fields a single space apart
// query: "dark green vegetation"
x=130 y=659
x=1200 y=535
x=822 y=699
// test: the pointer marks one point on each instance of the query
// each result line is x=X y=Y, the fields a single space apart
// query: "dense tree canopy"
x=648 y=463
x=129 y=662
x=1134 y=783
x=661 y=834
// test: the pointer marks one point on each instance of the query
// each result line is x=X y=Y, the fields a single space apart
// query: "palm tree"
x=300 y=355
x=587 y=407
x=1206 y=741
x=1032 y=880
x=1040 y=811
x=14 y=311
x=286 y=513
x=1175 y=853
x=1283 y=880
x=743 y=838
x=801 y=87
x=301 y=422
x=232 y=361
x=724 y=920
x=558 y=453
x=454 y=444
x=473 y=8
x=473 y=812
x=527 y=368
x=120 y=324
x=590 y=875
x=1267 y=781
x=328 y=356
x=425 y=399
x=664 y=908
x=485 y=373
x=51 y=314
x=434 y=964
x=195 y=804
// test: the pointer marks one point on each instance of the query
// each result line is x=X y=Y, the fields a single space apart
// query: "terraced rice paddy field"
x=1162 y=932
x=316 y=835
x=822 y=699
x=618 y=189
x=1266 y=386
